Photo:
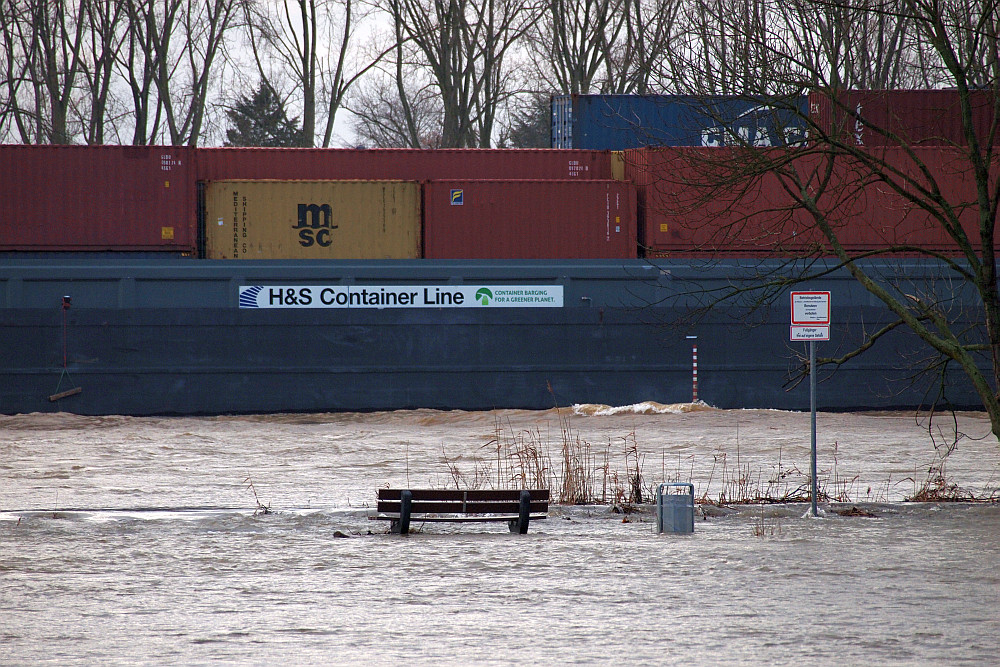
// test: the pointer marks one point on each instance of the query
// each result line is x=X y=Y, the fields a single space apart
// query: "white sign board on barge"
x=401 y=296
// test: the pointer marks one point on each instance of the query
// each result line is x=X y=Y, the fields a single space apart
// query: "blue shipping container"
x=618 y=122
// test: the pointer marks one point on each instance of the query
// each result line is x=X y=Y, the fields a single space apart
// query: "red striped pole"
x=65 y=307
x=694 y=368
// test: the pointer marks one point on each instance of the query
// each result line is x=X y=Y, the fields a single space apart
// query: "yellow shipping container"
x=312 y=220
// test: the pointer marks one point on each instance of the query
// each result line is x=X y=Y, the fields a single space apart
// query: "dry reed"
x=581 y=473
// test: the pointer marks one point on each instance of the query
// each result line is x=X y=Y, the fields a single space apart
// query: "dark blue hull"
x=148 y=335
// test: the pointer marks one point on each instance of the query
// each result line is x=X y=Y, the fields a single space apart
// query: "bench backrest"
x=457 y=501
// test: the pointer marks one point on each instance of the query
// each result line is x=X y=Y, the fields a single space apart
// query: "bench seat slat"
x=393 y=516
x=465 y=508
x=487 y=495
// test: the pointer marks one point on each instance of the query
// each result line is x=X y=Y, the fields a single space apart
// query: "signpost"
x=811 y=322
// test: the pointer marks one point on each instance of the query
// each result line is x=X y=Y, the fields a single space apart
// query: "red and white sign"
x=810 y=316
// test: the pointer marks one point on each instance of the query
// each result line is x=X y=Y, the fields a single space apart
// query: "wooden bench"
x=517 y=507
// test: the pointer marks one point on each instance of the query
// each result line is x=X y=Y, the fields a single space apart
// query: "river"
x=144 y=540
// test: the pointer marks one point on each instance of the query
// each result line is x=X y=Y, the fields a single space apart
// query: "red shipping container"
x=529 y=219
x=97 y=198
x=399 y=164
x=696 y=200
x=688 y=209
x=917 y=117
x=634 y=168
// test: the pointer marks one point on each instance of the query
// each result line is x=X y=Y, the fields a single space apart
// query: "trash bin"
x=675 y=507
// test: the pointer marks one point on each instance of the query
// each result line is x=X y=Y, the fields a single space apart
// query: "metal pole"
x=812 y=408
x=64 y=335
x=694 y=368
x=66 y=301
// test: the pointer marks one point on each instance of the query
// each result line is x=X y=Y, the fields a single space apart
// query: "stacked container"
x=312 y=220
x=701 y=200
x=620 y=122
x=550 y=219
x=914 y=117
x=97 y=198
x=404 y=164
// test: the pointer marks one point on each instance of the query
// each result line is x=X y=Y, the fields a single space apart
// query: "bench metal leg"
x=402 y=525
x=523 y=515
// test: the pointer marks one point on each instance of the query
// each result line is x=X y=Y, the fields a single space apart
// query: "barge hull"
x=147 y=336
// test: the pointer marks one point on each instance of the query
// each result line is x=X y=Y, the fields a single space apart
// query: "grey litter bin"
x=675 y=508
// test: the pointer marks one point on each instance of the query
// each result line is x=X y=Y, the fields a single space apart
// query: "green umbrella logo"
x=483 y=296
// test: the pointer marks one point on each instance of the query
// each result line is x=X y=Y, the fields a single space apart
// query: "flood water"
x=141 y=540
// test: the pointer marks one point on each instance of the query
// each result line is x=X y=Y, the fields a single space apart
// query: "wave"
x=644 y=408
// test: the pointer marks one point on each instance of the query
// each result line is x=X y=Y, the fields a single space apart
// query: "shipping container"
x=688 y=207
x=312 y=219
x=620 y=122
x=689 y=204
x=915 y=117
x=97 y=198
x=529 y=219
x=215 y=164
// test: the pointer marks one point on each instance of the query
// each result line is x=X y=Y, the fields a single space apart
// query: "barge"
x=134 y=281
x=157 y=335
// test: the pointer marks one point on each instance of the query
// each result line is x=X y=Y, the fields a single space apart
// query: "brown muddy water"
x=137 y=540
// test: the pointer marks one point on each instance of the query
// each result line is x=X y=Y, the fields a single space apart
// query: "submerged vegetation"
x=617 y=472
x=261 y=507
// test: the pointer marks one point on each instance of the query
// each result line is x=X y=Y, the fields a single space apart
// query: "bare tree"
x=635 y=61
x=464 y=44
x=290 y=32
x=43 y=41
x=170 y=60
x=387 y=119
x=570 y=42
x=138 y=62
x=63 y=63
x=398 y=107
x=186 y=37
x=951 y=193
x=16 y=79
x=864 y=44
x=729 y=48
x=603 y=46
x=309 y=42
x=104 y=41
x=966 y=36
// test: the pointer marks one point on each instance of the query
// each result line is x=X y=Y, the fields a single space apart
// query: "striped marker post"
x=694 y=368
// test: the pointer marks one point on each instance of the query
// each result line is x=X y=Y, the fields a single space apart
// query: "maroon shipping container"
x=399 y=164
x=529 y=219
x=917 y=117
x=97 y=198
x=687 y=209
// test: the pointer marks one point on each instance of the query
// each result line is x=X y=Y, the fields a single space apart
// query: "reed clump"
x=575 y=471
x=937 y=488
x=763 y=527
x=579 y=472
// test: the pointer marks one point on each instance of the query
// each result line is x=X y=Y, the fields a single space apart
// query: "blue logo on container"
x=248 y=296
x=457 y=197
